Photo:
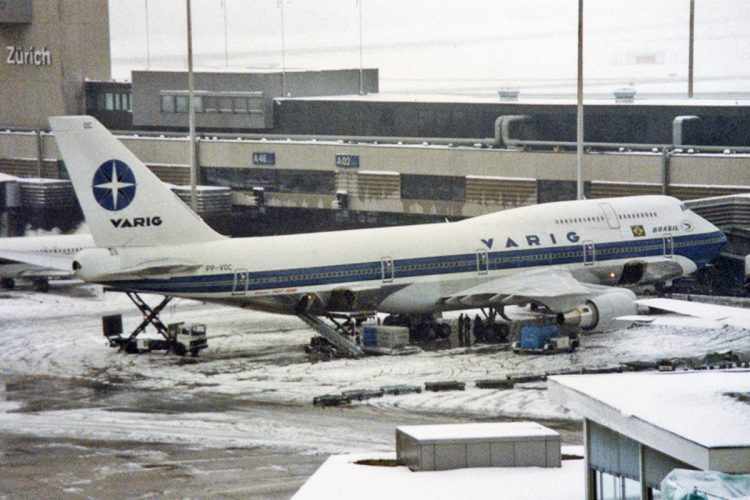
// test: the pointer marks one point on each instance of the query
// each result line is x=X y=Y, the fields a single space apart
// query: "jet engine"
x=310 y=303
x=599 y=312
x=93 y=264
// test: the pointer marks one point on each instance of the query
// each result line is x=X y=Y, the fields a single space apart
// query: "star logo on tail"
x=114 y=185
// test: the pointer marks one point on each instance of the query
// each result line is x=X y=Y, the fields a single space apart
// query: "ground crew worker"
x=478 y=327
x=461 y=326
x=467 y=329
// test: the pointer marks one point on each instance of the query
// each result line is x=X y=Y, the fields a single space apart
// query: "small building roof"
x=699 y=417
x=490 y=431
x=249 y=70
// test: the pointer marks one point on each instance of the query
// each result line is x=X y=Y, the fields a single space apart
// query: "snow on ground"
x=224 y=429
x=259 y=357
x=341 y=477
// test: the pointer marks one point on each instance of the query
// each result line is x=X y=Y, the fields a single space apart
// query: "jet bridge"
x=732 y=215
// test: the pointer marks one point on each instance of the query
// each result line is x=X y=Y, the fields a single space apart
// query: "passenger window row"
x=639 y=215
x=579 y=220
x=62 y=250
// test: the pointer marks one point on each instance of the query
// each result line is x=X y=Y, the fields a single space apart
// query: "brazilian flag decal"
x=638 y=231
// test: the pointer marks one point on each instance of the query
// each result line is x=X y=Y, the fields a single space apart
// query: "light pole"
x=579 y=110
x=691 y=47
x=191 y=112
x=361 y=72
x=148 y=36
x=283 y=50
x=226 y=35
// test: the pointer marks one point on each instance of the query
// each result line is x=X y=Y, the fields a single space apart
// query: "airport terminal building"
x=49 y=49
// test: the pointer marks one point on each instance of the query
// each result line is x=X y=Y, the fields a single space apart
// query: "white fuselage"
x=419 y=264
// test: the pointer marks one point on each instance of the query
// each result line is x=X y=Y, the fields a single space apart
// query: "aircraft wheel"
x=8 y=283
x=429 y=332
x=41 y=286
x=444 y=331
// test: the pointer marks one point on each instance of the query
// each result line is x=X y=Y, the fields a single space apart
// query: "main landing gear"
x=40 y=284
x=177 y=338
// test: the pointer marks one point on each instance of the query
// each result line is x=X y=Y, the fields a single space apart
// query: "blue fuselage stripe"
x=701 y=249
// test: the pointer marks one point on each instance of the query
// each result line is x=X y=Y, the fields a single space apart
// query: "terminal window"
x=209 y=104
x=181 y=104
x=240 y=105
x=433 y=187
x=167 y=104
x=273 y=180
x=225 y=105
x=198 y=103
x=178 y=103
x=113 y=101
x=613 y=487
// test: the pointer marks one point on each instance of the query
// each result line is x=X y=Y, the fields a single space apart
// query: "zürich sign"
x=28 y=56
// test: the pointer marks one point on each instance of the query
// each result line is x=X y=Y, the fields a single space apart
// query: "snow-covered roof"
x=522 y=100
x=201 y=188
x=42 y=180
x=699 y=417
x=247 y=70
x=340 y=477
x=490 y=431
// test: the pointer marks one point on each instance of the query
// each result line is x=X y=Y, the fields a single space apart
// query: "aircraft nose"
x=723 y=237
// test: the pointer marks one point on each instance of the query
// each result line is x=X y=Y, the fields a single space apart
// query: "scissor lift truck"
x=188 y=338
x=178 y=338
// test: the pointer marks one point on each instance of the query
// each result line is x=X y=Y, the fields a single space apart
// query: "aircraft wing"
x=557 y=289
x=697 y=309
x=691 y=314
x=44 y=261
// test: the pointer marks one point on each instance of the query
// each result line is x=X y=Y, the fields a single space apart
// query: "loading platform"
x=334 y=334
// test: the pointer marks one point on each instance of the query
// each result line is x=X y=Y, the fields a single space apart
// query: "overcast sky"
x=467 y=46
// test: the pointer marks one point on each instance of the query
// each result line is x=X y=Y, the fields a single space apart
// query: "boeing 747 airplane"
x=573 y=259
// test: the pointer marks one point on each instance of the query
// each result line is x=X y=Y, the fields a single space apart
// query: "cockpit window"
x=683 y=207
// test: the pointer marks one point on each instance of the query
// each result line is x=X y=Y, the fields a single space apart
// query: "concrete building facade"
x=50 y=47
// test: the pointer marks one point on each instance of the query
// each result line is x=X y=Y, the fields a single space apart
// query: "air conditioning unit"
x=508 y=94
x=624 y=94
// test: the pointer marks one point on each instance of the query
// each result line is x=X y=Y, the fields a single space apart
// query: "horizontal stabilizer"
x=159 y=267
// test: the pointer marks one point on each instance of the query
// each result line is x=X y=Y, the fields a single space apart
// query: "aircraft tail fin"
x=123 y=202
